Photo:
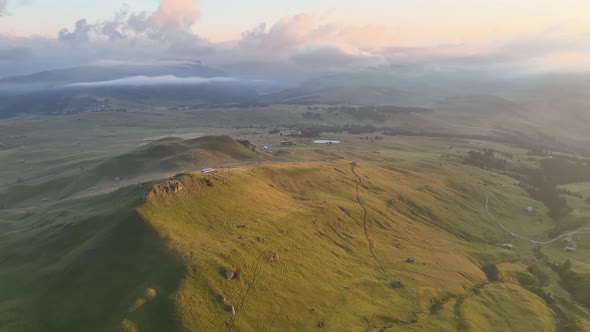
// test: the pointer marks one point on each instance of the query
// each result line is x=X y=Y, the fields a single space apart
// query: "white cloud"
x=293 y=43
x=173 y=19
x=3 y=5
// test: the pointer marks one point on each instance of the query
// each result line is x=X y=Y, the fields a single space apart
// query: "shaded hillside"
x=111 y=98
x=154 y=160
x=363 y=95
x=167 y=82
x=86 y=265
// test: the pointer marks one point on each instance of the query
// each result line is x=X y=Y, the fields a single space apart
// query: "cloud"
x=173 y=19
x=81 y=32
x=191 y=45
x=176 y=15
x=3 y=5
x=305 y=43
x=305 y=30
x=332 y=57
x=152 y=81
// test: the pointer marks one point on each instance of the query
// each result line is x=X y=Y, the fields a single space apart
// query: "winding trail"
x=359 y=181
x=241 y=303
x=583 y=230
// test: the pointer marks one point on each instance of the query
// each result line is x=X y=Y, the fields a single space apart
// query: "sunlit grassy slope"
x=305 y=254
x=296 y=237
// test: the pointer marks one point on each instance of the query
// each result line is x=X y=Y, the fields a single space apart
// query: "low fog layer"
x=151 y=80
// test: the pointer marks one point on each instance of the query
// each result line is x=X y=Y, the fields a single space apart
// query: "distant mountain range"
x=118 y=86
x=112 y=71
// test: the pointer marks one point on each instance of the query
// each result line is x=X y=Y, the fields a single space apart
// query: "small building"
x=326 y=141
x=529 y=209
x=208 y=170
x=285 y=142
x=410 y=260
x=508 y=246
x=570 y=245
x=294 y=133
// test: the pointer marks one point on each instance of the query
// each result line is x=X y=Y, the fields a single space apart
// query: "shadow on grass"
x=96 y=291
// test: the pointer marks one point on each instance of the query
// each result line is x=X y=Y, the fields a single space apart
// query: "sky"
x=308 y=33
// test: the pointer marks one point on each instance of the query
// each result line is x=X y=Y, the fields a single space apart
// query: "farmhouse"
x=326 y=141
x=208 y=170
x=507 y=246
x=570 y=245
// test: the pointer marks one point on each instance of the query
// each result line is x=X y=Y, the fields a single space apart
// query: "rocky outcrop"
x=172 y=186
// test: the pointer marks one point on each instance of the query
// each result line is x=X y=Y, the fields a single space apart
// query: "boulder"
x=230 y=274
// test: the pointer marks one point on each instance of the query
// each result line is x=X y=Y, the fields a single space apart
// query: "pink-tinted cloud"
x=176 y=14
x=306 y=30
x=173 y=18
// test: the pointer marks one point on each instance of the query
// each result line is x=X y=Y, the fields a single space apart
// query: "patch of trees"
x=542 y=278
x=376 y=113
x=492 y=273
x=376 y=138
x=312 y=116
x=539 y=188
x=575 y=283
x=274 y=131
x=315 y=131
x=541 y=183
x=562 y=191
x=486 y=160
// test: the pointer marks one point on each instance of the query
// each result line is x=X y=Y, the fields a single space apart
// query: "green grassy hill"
x=313 y=244
x=305 y=256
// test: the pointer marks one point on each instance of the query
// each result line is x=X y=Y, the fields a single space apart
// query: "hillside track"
x=244 y=297
x=359 y=182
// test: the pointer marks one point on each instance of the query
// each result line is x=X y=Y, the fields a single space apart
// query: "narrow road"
x=583 y=230
x=359 y=181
